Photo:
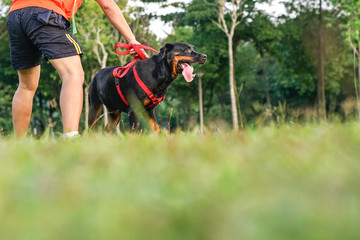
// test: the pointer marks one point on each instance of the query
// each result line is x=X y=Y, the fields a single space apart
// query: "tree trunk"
x=201 y=108
x=238 y=94
x=86 y=99
x=177 y=120
x=236 y=17
x=358 y=55
x=266 y=84
x=233 y=101
x=236 y=43
x=321 y=71
x=184 y=117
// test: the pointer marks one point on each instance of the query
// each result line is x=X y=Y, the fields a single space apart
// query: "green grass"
x=299 y=182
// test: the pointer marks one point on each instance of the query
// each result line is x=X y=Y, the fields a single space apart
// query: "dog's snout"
x=202 y=58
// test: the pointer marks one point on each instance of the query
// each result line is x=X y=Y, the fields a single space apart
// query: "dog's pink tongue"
x=188 y=72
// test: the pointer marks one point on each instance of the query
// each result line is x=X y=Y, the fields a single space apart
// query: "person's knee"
x=76 y=76
x=27 y=86
x=29 y=79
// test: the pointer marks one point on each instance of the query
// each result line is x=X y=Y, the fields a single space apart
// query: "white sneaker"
x=71 y=135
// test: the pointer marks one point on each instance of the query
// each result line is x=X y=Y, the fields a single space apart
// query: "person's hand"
x=133 y=52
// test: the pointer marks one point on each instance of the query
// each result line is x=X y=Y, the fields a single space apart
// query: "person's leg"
x=71 y=96
x=23 y=99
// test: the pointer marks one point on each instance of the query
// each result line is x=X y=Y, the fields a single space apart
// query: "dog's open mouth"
x=187 y=71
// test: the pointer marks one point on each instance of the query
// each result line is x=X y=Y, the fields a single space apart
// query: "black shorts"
x=34 y=32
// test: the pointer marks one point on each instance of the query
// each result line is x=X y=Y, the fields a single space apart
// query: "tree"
x=236 y=16
x=351 y=28
x=320 y=84
x=262 y=32
x=297 y=53
x=312 y=5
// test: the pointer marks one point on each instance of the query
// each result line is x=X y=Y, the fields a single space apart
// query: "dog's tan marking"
x=154 y=126
x=112 y=122
x=175 y=62
x=97 y=113
x=146 y=102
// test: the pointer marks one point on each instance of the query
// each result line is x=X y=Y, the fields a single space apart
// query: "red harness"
x=120 y=72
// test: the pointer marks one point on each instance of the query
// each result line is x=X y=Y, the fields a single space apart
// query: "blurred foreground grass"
x=271 y=183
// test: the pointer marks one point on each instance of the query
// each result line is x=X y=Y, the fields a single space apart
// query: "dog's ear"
x=169 y=46
x=166 y=48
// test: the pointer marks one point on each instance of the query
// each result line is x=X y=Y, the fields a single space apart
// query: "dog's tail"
x=94 y=103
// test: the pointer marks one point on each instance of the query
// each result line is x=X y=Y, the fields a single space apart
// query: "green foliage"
x=297 y=54
x=303 y=185
x=6 y=2
x=351 y=25
x=8 y=81
x=5 y=108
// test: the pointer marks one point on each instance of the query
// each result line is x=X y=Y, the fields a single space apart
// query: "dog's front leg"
x=152 y=121
x=114 y=118
x=133 y=120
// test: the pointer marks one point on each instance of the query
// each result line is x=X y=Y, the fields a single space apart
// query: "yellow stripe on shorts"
x=77 y=47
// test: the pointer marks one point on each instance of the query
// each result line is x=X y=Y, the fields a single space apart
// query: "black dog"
x=156 y=73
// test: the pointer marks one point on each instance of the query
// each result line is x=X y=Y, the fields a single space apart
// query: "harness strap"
x=120 y=72
x=147 y=90
x=117 y=83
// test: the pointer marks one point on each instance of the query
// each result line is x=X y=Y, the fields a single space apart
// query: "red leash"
x=120 y=72
x=137 y=47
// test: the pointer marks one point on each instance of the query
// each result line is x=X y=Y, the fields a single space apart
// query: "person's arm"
x=116 y=17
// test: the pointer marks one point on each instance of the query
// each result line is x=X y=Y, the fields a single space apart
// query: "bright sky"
x=162 y=30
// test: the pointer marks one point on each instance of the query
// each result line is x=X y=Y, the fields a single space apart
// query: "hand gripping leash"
x=121 y=71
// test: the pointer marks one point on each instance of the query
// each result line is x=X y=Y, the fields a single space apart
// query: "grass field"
x=292 y=182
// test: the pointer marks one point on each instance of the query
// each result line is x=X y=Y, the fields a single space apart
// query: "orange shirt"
x=63 y=7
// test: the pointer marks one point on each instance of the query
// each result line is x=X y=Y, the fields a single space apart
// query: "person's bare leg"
x=71 y=96
x=23 y=99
